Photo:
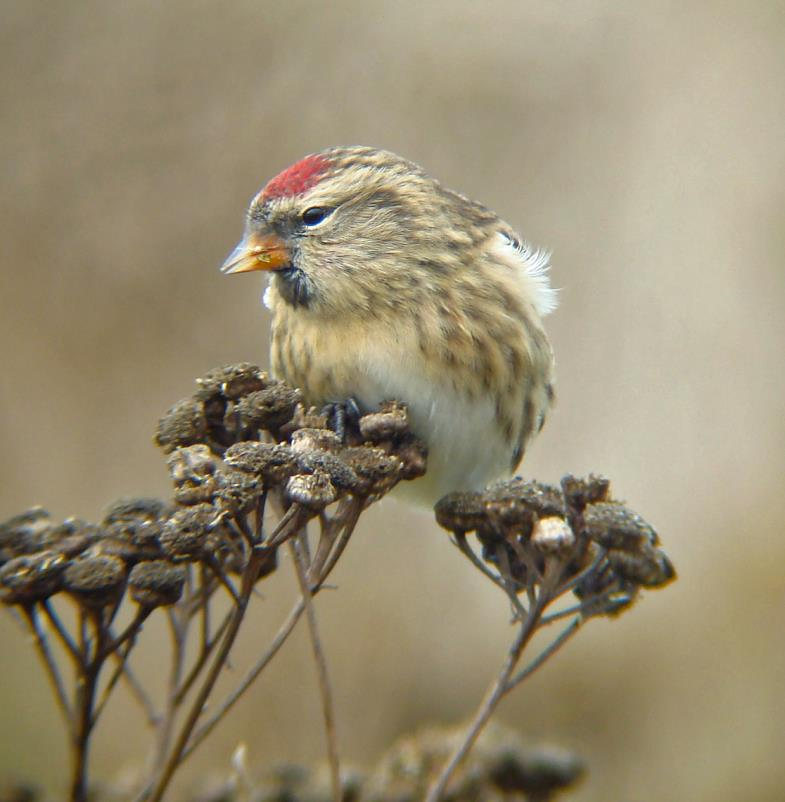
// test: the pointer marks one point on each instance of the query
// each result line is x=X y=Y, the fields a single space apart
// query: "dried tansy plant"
x=251 y=469
x=541 y=545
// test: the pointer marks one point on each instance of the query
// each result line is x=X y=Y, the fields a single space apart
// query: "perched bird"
x=387 y=285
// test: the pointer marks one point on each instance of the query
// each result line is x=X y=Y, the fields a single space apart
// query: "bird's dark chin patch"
x=294 y=286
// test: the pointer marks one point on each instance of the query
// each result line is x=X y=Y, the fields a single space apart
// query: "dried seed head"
x=71 y=537
x=311 y=490
x=73 y=545
x=388 y=425
x=183 y=425
x=193 y=472
x=191 y=464
x=275 y=463
x=32 y=577
x=377 y=472
x=413 y=454
x=215 y=413
x=21 y=534
x=24 y=542
x=96 y=580
x=130 y=548
x=552 y=535
x=270 y=408
x=136 y=509
x=310 y=439
x=231 y=381
x=186 y=534
x=537 y=773
x=157 y=583
x=601 y=580
x=238 y=491
x=131 y=528
x=648 y=567
x=587 y=490
x=339 y=473
x=518 y=504
x=461 y=512
x=35 y=517
x=615 y=526
x=500 y=766
x=310 y=418
x=190 y=493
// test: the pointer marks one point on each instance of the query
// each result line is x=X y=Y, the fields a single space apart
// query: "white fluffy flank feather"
x=535 y=263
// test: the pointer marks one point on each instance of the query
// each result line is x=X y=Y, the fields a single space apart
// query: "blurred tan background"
x=643 y=142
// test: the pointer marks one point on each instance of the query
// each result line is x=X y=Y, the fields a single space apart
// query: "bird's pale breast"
x=469 y=393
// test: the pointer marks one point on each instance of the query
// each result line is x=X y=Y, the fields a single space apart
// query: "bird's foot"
x=343 y=417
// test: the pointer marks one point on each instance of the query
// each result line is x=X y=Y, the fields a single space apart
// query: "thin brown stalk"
x=259 y=517
x=350 y=518
x=327 y=535
x=587 y=571
x=240 y=523
x=50 y=664
x=138 y=691
x=120 y=646
x=176 y=755
x=62 y=633
x=204 y=655
x=178 y=631
x=215 y=567
x=86 y=686
x=280 y=638
x=489 y=703
x=463 y=544
x=328 y=712
x=204 y=614
x=83 y=646
x=532 y=572
x=519 y=611
x=290 y=522
x=131 y=631
x=545 y=654
x=352 y=514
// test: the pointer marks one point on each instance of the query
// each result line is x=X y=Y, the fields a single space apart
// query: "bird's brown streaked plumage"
x=388 y=285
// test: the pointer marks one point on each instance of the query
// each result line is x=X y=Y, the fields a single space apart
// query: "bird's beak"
x=257 y=252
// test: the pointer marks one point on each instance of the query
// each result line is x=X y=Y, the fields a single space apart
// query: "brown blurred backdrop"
x=643 y=142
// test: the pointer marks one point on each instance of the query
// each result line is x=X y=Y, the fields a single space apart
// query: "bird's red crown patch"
x=298 y=178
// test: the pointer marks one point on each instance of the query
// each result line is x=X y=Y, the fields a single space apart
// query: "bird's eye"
x=314 y=215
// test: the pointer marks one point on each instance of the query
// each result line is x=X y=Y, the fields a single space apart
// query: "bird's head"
x=349 y=229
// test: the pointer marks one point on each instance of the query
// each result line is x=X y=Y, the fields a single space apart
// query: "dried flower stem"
x=42 y=644
x=545 y=654
x=343 y=522
x=122 y=664
x=93 y=655
x=219 y=662
x=505 y=682
x=278 y=641
x=489 y=703
x=205 y=651
x=137 y=690
x=298 y=555
x=62 y=633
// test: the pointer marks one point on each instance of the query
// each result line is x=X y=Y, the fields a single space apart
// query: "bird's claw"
x=343 y=417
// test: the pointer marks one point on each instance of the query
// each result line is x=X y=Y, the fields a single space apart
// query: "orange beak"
x=257 y=253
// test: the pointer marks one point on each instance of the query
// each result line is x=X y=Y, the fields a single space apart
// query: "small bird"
x=387 y=285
